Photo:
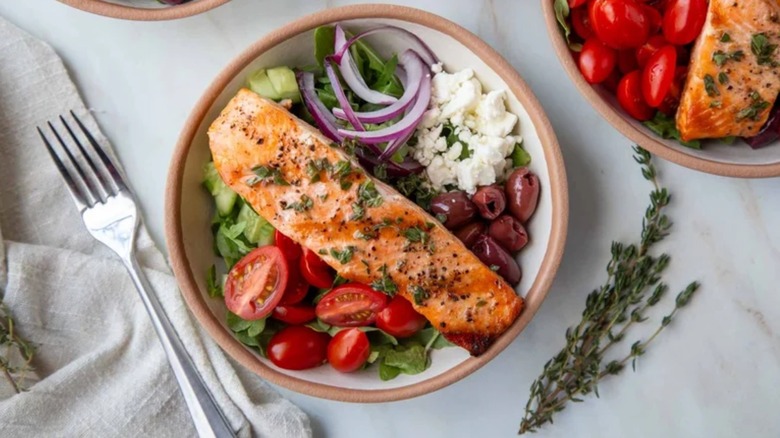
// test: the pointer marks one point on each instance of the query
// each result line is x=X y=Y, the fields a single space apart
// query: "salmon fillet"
x=730 y=87
x=363 y=228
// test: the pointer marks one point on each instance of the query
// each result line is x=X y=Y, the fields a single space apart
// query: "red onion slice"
x=414 y=68
x=416 y=43
x=346 y=108
x=324 y=119
x=401 y=128
x=351 y=75
x=404 y=168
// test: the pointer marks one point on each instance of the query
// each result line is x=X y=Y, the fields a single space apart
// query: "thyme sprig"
x=16 y=354
x=633 y=286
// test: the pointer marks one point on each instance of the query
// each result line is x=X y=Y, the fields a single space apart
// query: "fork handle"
x=209 y=419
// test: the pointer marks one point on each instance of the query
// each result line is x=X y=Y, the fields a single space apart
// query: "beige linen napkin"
x=100 y=370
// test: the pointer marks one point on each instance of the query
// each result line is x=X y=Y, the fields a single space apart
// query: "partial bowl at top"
x=716 y=157
x=189 y=207
x=144 y=10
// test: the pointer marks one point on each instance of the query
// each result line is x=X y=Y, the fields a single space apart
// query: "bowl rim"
x=558 y=189
x=114 y=10
x=644 y=137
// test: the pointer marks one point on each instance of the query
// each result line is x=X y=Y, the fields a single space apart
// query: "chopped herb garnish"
x=341 y=169
x=710 y=87
x=368 y=267
x=716 y=104
x=380 y=171
x=368 y=195
x=481 y=303
x=304 y=204
x=323 y=197
x=441 y=217
x=315 y=167
x=494 y=268
x=345 y=184
x=357 y=212
x=720 y=57
x=723 y=78
x=419 y=294
x=416 y=187
x=386 y=222
x=753 y=112
x=323 y=251
x=265 y=173
x=417 y=235
x=344 y=255
x=365 y=235
x=764 y=51
x=385 y=284
x=726 y=38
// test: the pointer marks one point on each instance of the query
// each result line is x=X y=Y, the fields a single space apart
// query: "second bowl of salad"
x=693 y=81
x=366 y=205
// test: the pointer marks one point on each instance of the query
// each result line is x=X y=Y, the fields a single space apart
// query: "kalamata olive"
x=490 y=201
x=468 y=234
x=522 y=191
x=493 y=255
x=456 y=206
x=509 y=232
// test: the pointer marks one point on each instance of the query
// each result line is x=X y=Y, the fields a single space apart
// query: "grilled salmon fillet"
x=734 y=75
x=320 y=197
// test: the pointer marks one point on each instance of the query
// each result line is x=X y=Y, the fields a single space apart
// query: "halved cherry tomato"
x=576 y=3
x=672 y=99
x=351 y=305
x=648 y=49
x=294 y=315
x=597 y=61
x=658 y=74
x=620 y=24
x=298 y=347
x=348 y=350
x=626 y=60
x=581 y=23
x=629 y=94
x=400 y=319
x=316 y=271
x=297 y=287
x=289 y=247
x=256 y=283
x=683 y=20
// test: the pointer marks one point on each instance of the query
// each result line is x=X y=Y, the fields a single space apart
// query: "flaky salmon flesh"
x=734 y=76
x=313 y=192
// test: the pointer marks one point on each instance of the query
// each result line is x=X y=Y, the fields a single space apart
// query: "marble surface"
x=714 y=373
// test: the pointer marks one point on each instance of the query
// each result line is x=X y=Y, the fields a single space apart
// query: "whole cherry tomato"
x=620 y=24
x=289 y=247
x=646 y=50
x=576 y=3
x=672 y=99
x=400 y=319
x=581 y=23
x=596 y=61
x=683 y=20
x=626 y=61
x=316 y=272
x=658 y=74
x=629 y=94
x=348 y=350
x=298 y=347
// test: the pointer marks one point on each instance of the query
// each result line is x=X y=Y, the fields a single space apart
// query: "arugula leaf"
x=245 y=339
x=388 y=372
x=236 y=323
x=324 y=42
x=665 y=127
x=318 y=325
x=561 y=8
x=213 y=286
x=431 y=338
x=412 y=359
x=520 y=157
x=229 y=242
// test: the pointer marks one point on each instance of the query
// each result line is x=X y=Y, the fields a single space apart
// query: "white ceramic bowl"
x=189 y=207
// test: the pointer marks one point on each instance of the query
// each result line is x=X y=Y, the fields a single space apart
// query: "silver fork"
x=109 y=212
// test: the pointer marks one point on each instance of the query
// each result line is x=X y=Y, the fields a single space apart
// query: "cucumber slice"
x=276 y=83
x=257 y=230
x=224 y=196
x=225 y=200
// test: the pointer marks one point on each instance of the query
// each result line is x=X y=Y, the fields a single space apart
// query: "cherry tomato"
x=597 y=61
x=294 y=315
x=658 y=74
x=351 y=305
x=646 y=50
x=400 y=319
x=316 y=271
x=683 y=20
x=611 y=83
x=626 y=61
x=629 y=94
x=348 y=350
x=581 y=23
x=620 y=24
x=672 y=99
x=655 y=18
x=256 y=283
x=297 y=287
x=576 y=3
x=298 y=347
x=289 y=247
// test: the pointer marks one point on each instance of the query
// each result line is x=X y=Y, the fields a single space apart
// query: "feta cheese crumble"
x=464 y=139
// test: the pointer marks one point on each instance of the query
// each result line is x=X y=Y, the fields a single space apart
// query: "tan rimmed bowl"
x=133 y=11
x=189 y=208
x=716 y=157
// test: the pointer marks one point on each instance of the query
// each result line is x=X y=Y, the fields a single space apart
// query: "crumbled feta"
x=480 y=124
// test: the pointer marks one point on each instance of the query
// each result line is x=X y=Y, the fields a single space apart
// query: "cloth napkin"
x=99 y=368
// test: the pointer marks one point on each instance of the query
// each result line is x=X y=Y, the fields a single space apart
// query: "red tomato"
x=294 y=315
x=298 y=347
x=597 y=61
x=683 y=20
x=348 y=350
x=672 y=99
x=620 y=24
x=297 y=287
x=611 y=83
x=626 y=60
x=256 y=283
x=629 y=94
x=576 y=3
x=655 y=18
x=351 y=305
x=289 y=247
x=644 y=52
x=316 y=271
x=581 y=23
x=658 y=74
x=400 y=319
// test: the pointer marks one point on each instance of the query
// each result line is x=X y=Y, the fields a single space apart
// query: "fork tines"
x=88 y=184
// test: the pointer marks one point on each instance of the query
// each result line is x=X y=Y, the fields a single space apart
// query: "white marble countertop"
x=714 y=373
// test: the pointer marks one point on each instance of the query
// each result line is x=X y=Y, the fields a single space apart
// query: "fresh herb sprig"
x=16 y=354
x=609 y=313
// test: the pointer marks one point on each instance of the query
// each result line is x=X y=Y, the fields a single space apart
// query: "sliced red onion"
x=351 y=75
x=414 y=68
x=401 y=128
x=324 y=119
x=416 y=43
x=346 y=108
x=404 y=168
